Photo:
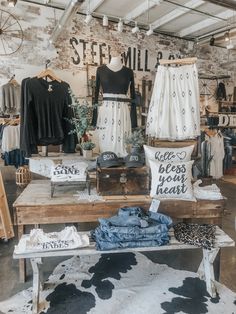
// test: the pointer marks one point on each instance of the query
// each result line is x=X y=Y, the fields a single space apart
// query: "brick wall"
x=81 y=48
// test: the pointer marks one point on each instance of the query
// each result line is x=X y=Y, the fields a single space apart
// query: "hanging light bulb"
x=88 y=18
x=105 y=20
x=150 y=31
x=226 y=36
x=135 y=29
x=120 y=26
x=212 y=40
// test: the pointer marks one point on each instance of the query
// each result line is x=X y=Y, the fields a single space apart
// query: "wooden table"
x=205 y=270
x=35 y=206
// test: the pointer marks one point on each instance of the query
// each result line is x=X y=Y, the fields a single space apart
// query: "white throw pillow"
x=164 y=154
x=172 y=180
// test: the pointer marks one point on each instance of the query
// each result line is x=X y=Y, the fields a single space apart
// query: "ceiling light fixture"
x=105 y=20
x=120 y=26
x=212 y=40
x=11 y=3
x=88 y=18
x=226 y=36
x=150 y=31
x=230 y=45
x=135 y=29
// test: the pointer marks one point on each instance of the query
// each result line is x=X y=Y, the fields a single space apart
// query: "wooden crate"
x=123 y=181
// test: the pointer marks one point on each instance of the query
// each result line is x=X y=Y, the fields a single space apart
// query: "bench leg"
x=36 y=283
x=206 y=270
x=22 y=263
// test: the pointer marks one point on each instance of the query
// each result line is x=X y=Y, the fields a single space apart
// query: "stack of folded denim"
x=131 y=228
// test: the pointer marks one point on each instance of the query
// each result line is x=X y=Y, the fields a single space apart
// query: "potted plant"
x=136 y=140
x=81 y=121
x=87 y=148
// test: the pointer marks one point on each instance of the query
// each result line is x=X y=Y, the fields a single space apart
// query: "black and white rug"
x=122 y=284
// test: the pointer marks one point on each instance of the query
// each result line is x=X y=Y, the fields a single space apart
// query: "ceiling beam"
x=90 y=5
x=229 y=4
x=140 y=9
x=205 y=23
x=177 y=13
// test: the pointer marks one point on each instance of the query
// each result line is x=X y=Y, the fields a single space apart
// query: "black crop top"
x=116 y=82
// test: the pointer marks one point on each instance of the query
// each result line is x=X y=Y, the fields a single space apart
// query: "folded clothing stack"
x=39 y=241
x=202 y=235
x=131 y=228
x=208 y=192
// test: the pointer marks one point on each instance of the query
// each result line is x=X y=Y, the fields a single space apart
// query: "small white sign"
x=154 y=205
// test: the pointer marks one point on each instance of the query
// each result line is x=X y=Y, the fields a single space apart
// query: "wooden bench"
x=35 y=206
x=205 y=270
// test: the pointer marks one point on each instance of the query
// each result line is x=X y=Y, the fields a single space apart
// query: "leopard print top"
x=202 y=235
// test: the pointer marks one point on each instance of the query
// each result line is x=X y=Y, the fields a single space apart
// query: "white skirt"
x=174 y=111
x=113 y=124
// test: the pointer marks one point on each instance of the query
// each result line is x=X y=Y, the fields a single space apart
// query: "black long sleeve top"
x=118 y=82
x=44 y=109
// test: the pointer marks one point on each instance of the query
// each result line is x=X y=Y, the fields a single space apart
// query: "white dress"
x=174 y=111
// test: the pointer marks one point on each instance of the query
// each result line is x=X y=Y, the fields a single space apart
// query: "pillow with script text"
x=172 y=180
x=168 y=154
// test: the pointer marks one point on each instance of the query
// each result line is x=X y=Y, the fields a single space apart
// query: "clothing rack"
x=178 y=61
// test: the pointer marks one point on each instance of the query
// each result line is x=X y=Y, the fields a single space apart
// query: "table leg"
x=35 y=262
x=206 y=270
x=22 y=263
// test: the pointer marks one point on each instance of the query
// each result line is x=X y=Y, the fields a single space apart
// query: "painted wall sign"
x=98 y=53
x=227 y=120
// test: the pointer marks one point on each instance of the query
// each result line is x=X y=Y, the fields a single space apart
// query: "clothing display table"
x=205 y=270
x=35 y=206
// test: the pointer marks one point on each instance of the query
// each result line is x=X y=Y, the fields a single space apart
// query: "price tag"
x=154 y=205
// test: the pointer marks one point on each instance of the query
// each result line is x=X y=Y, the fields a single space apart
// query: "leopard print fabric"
x=202 y=235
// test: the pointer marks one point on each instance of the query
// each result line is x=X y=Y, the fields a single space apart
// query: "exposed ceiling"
x=188 y=19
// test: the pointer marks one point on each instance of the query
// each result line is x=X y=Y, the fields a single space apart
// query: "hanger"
x=178 y=61
x=49 y=73
x=210 y=132
x=13 y=81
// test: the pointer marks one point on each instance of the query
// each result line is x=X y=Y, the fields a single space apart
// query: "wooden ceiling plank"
x=205 y=23
x=192 y=4
x=140 y=9
x=91 y=5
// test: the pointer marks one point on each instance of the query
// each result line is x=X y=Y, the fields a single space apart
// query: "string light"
x=11 y=3
x=226 y=36
x=105 y=20
x=135 y=29
x=88 y=18
x=150 y=31
x=120 y=26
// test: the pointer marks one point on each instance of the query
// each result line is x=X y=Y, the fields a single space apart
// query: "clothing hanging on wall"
x=174 y=112
x=10 y=144
x=10 y=98
x=216 y=142
x=45 y=110
x=115 y=119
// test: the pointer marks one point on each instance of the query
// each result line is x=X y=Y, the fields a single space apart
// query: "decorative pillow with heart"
x=163 y=154
x=172 y=180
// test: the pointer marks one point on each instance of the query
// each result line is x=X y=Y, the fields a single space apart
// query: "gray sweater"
x=10 y=98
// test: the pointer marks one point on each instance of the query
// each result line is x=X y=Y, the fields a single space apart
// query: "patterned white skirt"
x=174 y=111
x=113 y=124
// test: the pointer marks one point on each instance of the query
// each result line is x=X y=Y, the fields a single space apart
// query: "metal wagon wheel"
x=207 y=87
x=11 y=34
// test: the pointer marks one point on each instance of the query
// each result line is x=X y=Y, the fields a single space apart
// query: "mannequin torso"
x=115 y=64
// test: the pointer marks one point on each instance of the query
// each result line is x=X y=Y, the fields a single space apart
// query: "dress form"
x=115 y=64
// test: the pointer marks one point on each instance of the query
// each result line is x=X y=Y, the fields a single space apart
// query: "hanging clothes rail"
x=178 y=61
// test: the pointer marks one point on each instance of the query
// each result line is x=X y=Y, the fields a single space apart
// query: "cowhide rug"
x=122 y=284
